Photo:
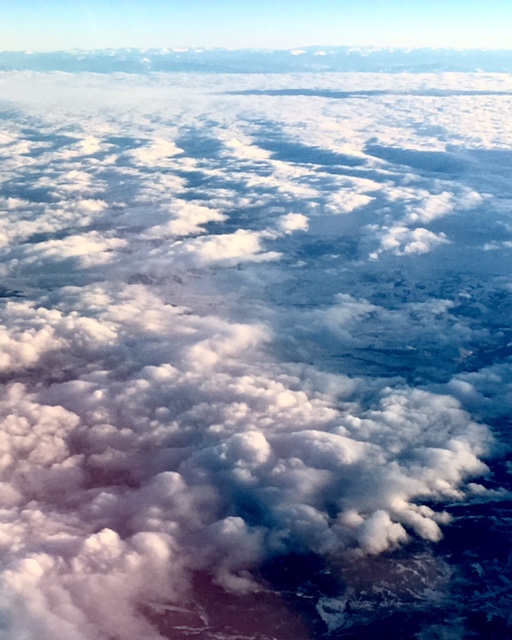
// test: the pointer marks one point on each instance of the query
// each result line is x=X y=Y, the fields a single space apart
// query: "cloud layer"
x=236 y=328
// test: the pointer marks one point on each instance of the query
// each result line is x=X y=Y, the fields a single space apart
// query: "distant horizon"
x=296 y=50
x=310 y=59
x=55 y=25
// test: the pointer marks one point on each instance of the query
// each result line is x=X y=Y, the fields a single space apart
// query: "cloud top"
x=235 y=328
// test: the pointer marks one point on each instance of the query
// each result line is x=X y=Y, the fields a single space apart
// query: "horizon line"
x=294 y=50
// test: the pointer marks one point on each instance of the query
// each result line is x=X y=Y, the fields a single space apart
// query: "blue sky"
x=63 y=24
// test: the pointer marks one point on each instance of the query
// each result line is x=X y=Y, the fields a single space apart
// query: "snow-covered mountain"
x=259 y=61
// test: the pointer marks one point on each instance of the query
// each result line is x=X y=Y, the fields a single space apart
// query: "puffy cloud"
x=293 y=222
x=402 y=240
x=378 y=533
x=346 y=201
x=157 y=152
x=440 y=204
x=227 y=249
x=246 y=150
x=90 y=249
x=188 y=218
x=154 y=427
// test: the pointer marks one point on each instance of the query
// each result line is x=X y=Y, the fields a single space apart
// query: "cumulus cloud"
x=187 y=219
x=155 y=428
x=156 y=152
x=166 y=454
x=90 y=249
x=436 y=205
x=346 y=201
x=293 y=222
x=402 y=240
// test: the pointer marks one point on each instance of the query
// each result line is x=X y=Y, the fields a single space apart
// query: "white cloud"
x=157 y=151
x=402 y=241
x=187 y=219
x=246 y=150
x=346 y=201
x=435 y=206
x=379 y=533
x=90 y=249
x=293 y=222
x=153 y=425
x=227 y=249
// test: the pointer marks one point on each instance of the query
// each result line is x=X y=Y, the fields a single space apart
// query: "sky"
x=49 y=25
